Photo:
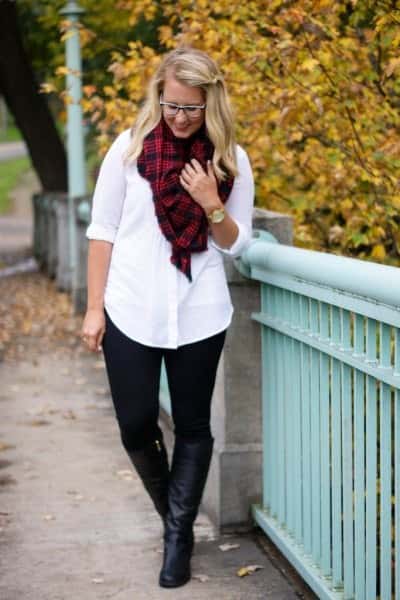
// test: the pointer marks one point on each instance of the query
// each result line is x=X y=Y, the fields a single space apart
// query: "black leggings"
x=133 y=371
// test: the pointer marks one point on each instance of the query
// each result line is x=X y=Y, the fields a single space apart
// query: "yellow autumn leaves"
x=315 y=86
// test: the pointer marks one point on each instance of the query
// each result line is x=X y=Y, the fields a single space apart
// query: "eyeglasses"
x=192 y=111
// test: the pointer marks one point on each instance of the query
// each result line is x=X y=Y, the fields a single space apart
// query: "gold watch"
x=217 y=215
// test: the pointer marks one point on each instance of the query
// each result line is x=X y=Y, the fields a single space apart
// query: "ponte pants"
x=133 y=371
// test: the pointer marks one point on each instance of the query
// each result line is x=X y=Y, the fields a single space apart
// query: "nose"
x=181 y=116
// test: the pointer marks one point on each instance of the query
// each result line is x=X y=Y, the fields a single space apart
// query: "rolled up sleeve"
x=240 y=206
x=109 y=193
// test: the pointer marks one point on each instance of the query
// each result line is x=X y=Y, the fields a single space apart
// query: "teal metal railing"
x=331 y=416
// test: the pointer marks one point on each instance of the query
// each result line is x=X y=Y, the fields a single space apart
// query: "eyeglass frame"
x=182 y=107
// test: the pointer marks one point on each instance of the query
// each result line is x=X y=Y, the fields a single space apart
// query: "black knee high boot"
x=151 y=464
x=189 y=470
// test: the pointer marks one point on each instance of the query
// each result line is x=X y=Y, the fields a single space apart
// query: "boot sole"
x=173 y=584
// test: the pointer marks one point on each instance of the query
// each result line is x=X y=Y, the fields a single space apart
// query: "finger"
x=89 y=341
x=99 y=340
x=186 y=179
x=183 y=183
x=189 y=169
x=210 y=169
x=196 y=165
x=93 y=344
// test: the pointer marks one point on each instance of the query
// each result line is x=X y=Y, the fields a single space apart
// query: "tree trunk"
x=29 y=108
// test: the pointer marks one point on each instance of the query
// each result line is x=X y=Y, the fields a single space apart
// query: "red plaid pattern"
x=182 y=221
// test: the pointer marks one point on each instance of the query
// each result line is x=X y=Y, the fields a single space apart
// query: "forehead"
x=179 y=93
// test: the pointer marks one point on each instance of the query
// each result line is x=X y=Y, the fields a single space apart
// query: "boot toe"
x=170 y=581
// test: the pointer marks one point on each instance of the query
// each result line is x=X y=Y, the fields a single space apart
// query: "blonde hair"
x=195 y=68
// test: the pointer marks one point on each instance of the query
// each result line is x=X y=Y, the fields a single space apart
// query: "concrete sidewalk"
x=9 y=150
x=75 y=521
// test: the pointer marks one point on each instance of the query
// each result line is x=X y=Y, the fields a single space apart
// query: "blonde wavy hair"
x=195 y=68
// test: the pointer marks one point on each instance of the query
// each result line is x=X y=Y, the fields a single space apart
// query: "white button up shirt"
x=146 y=296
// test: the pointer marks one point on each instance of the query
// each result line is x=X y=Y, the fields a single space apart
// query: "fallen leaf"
x=5 y=446
x=7 y=480
x=225 y=547
x=248 y=570
x=99 y=364
x=49 y=517
x=39 y=422
x=69 y=414
x=125 y=474
x=101 y=391
x=26 y=326
x=97 y=580
x=201 y=577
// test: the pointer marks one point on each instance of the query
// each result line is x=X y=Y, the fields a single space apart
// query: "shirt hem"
x=168 y=347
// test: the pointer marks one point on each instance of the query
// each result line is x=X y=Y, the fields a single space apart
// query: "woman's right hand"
x=93 y=329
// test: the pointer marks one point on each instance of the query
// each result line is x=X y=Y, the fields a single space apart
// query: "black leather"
x=151 y=464
x=189 y=470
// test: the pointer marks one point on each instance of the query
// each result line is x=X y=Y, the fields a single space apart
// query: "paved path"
x=10 y=150
x=75 y=520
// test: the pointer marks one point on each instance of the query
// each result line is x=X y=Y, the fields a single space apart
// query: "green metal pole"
x=75 y=133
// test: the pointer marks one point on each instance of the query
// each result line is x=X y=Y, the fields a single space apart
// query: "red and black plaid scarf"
x=182 y=221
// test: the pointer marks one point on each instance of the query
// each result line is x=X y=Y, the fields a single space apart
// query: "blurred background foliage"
x=314 y=84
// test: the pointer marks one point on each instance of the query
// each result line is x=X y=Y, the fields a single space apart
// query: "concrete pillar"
x=63 y=275
x=235 y=478
x=44 y=228
x=82 y=219
x=38 y=227
x=52 y=249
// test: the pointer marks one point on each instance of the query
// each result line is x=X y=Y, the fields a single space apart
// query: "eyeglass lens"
x=192 y=112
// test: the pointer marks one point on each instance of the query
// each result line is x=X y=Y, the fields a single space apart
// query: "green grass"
x=11 y=134
x=10 y=173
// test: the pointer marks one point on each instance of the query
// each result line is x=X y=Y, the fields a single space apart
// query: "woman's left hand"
x=201 y=185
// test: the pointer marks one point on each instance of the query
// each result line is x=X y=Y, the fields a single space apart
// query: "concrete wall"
x=235 y=477
x=51 y=242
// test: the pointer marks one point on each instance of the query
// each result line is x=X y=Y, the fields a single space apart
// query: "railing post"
x=75 y=133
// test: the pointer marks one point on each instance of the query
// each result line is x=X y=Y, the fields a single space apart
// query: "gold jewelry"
x=217 y=215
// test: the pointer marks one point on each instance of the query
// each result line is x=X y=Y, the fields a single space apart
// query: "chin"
x=183 y=133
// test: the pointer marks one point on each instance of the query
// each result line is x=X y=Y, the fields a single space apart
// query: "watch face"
x=218 y=215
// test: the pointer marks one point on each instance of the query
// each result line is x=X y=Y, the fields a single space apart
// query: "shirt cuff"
x=95 y=231
x=238 y=245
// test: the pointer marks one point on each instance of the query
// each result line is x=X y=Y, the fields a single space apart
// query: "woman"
x=174 y=194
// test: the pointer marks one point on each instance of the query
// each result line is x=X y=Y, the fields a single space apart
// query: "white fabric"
x=146 y=296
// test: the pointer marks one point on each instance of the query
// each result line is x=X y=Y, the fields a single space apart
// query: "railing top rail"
x=376 y=282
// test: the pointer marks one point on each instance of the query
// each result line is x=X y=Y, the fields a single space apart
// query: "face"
x=178 y=93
